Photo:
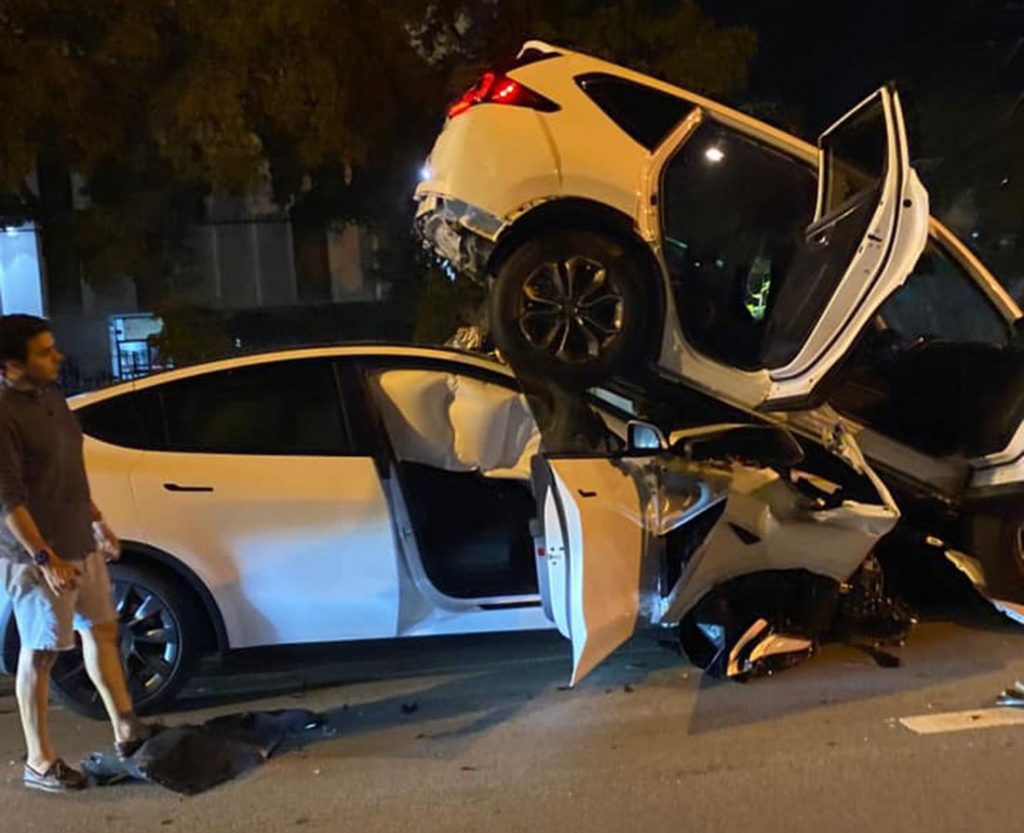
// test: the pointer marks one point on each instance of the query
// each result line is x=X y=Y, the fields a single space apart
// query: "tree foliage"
x=157 y=104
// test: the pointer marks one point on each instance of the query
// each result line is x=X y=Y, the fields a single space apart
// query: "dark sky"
x=821 y=57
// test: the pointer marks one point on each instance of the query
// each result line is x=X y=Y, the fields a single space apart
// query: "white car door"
x=594 y=542
x=599 y=515
x=258 y=489
x=794 y=315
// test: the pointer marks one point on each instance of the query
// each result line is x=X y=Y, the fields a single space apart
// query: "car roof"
x=363 y=350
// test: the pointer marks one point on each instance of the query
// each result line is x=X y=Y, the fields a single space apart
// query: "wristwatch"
x=41 y=557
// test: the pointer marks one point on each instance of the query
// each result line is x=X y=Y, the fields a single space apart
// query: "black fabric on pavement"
x=191 y=759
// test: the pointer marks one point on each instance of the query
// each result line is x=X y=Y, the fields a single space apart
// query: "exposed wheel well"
x=213 y=630
x=577 y=214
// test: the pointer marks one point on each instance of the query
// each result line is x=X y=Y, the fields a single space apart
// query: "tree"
x=148 y=107
x=157 y=104
x=674 y=41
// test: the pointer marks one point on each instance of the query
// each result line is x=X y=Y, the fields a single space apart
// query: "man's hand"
x=107 y=542
x=62 y=576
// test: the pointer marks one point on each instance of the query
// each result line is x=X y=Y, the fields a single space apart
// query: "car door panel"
x=292 y=549
x=599 y=504
x=878 y=226
x=870 y=224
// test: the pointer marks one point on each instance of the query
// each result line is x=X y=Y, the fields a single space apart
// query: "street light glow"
x=714 y=154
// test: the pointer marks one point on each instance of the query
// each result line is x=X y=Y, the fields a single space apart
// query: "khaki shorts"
x=47 y=622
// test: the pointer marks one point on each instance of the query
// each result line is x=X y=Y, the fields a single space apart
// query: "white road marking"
x=931 y=724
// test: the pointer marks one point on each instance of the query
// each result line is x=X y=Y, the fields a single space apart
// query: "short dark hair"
x=16 y=331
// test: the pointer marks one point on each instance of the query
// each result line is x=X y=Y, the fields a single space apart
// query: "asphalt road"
x=490 y=740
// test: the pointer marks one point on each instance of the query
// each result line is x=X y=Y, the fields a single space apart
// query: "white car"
x=625 y=224
x=362 y=493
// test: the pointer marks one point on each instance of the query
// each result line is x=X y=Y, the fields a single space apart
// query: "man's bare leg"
x=103 y=664
x=32 y=689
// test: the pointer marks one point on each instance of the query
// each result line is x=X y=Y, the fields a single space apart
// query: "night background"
x=244 y=170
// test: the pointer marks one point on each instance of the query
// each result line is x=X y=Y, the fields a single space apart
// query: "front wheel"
x=570 y=305
x=158 y=636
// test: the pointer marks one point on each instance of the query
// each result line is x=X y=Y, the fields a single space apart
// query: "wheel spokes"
x=150 y=606
x=570 y=309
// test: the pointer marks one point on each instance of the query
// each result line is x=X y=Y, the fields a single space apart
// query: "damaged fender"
x=646 y=538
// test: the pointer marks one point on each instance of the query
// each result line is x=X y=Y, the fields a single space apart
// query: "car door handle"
x=174 y=487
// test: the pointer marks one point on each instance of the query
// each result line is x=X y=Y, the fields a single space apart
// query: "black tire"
x=570 y=306
x=998 y=542
x=159 y=650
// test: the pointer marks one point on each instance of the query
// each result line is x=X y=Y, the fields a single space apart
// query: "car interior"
x=463 y=447
x=938 y=369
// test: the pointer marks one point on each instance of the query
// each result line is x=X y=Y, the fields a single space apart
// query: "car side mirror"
x=764 y=446
x=644 y=438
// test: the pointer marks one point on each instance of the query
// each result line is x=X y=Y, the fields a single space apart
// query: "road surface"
x=489 y=739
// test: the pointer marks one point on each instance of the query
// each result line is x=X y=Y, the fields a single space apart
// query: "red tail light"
x=493 y=88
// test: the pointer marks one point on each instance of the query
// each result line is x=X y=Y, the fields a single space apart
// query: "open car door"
x=870 y=227
x=591 y=506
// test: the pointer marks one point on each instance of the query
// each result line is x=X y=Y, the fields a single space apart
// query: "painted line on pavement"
x=931 y=724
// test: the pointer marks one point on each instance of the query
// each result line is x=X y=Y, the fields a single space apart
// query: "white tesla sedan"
x=361 y=493
x=622 y=222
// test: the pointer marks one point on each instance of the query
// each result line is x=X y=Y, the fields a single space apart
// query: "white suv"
x=624 y=223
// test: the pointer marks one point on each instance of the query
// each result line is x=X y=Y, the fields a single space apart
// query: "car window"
x=735 y=212
x=130 y=420
x=855 y=153
x=937 y=368
x=941 y=301
x=284 y=407
x=646 y=114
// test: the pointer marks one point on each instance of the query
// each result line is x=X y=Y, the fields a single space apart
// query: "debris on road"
x=1013 y=696
x=191 y=759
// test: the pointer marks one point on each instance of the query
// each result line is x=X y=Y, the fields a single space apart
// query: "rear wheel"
x=570 y=305
x=158 y=635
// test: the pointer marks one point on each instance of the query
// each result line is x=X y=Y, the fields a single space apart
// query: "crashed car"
x=625 y=225
x=359 y=493
x=722 y=534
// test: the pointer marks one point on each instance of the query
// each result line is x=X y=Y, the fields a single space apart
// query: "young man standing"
x=54 y=545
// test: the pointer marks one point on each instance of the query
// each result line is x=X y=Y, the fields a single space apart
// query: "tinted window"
x=856 y=153
x=940 y=301
x=287 y=407
x=646 y=114
x=132 y=420
x=735 y=214
x=937 y=368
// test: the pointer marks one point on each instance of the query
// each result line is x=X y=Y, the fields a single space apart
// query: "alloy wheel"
x=570 y=309
x=149 y=638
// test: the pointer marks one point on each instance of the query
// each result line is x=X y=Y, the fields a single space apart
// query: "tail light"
x=494 y=88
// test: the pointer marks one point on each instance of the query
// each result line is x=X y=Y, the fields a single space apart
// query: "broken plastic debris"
x=1013 y=696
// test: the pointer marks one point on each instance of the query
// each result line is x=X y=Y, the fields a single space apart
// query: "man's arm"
x=23 y=527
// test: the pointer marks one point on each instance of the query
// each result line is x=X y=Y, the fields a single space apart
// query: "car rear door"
x=765 y=305
x=870 y=227
x=256 y=484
